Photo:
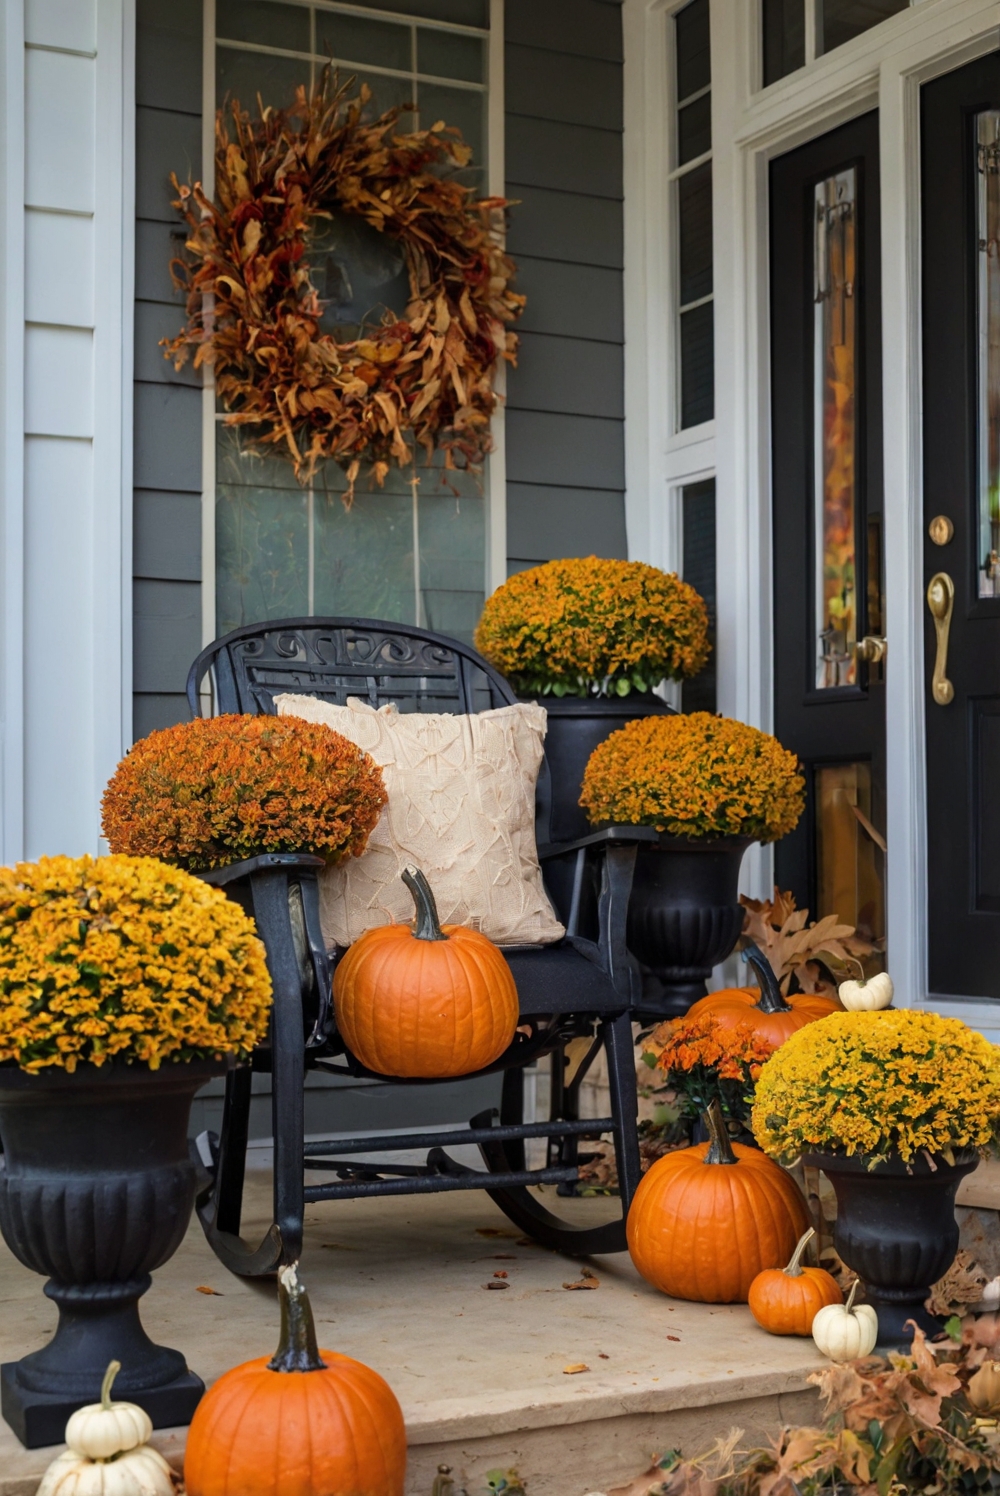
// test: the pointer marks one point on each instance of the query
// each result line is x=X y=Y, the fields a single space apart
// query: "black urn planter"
x=576 y=724
x=684 y=916
x=896 y=1229
x=96 y=1191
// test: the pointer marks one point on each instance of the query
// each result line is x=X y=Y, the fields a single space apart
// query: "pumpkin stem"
x=427 y=926
x=794 y=1270
x=720 y=1150
x=849 y=1306
x=114 y=1367
x=770 y=1000
x=297 y=1349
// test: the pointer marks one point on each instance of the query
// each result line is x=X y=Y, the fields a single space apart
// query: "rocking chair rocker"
x=578 y=993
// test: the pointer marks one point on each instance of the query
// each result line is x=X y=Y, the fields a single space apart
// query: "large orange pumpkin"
x=773 y=1016
x=425 y=1000
x=785 y=1301
x=706 y=1220
x=303 y=1423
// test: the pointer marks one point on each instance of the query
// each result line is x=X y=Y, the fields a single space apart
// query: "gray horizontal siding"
x=565 y=419
x=167 y=465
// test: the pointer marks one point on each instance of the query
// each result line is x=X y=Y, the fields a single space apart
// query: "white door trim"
x=883 y=68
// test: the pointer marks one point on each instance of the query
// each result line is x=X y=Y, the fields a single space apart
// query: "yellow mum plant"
x=895 y=1081
x=587 y=627
x=127 y=957
x=695 y=775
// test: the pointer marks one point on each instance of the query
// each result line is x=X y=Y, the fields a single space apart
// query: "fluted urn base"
x=96 y=1192
x=684 y=917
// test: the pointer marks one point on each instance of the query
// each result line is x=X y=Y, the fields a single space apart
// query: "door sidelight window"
x=834 y=430
x=988 y=329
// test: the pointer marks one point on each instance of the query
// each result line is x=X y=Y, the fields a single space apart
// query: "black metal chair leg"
x=231 y=1169
x=620 y=1048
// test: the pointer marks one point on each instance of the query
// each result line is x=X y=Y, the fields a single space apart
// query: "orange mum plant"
x=220 y=789
x=424 y=379
x=588 y=627
x=701 y=1062
x=695 y=775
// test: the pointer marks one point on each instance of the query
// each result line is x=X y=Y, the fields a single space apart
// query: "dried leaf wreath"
x=254 y=313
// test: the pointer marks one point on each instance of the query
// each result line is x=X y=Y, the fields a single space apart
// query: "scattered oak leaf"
x=496 y=1283
x=203 y=1288
x=574 y=1368
x=674 y=1337
x=500 y=1273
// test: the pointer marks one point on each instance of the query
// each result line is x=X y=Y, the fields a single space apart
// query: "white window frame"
x=882 y=68
x=495 y=471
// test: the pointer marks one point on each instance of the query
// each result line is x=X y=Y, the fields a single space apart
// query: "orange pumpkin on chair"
x=427 y=1000
x=772 y=1015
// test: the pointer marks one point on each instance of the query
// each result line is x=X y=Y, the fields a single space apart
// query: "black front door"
x=960 y=132
x=829 y=638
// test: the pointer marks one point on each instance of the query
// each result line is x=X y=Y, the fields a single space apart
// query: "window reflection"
x=988 y=236
x=850 y=850
x=835 y=380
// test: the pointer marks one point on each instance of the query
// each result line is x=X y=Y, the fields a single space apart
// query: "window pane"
x=988 y=236
x=694 y=129
x=244 y=75
x=358 y=272
x=784 y=38
x=452 y=542
x=446 y=55
x=698 y=503
x=844 y=19
x=364 y=555
x=850 y=863
x=387 y=93
x=261 y=554
x=835 y=436
x=694 y=207
x=458 y=12
x=697 y=366
x=266 y=24
x=354 y=39
x=456 y=106
x=694 y=64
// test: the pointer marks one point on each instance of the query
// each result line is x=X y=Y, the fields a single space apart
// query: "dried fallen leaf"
x=589 y=1280
x=203 y=1288
x=574 y=1368
x=504 y=1256
x=604 y=1355
x=499 y=1273
x=495 y=1283
x=674 y=1337
x=495 y=1231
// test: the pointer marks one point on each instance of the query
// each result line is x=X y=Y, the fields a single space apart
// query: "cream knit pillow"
x=461 y=807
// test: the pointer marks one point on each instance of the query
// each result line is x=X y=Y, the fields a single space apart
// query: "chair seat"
x=558 y=979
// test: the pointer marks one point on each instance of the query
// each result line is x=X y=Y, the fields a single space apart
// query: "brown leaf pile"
x=254 y=314
x=797 y=949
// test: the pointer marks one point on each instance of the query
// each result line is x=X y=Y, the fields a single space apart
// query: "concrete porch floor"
x=400 y=1284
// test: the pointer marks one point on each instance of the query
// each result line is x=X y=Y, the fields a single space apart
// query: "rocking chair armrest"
x=607 y=836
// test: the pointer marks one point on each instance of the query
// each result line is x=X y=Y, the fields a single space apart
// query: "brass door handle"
x=941 y=601
x=871 y=649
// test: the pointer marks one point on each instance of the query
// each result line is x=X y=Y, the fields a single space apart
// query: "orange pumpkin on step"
x=706 y=1220
x=425 y=1001
x=785 y=1301
x=304 y=1422
x=773 y=1016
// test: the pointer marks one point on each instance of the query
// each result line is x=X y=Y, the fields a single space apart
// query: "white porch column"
x=66 y=413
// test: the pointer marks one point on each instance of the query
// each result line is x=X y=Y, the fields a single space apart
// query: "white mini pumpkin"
x=108 y=1454
x=845 y=1332
x=867 y=997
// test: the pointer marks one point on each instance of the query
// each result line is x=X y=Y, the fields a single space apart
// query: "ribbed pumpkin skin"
x=704 y=1231
x=735 y=1005
x=784 y=1305
x=335 y=1432
x=425 y=1008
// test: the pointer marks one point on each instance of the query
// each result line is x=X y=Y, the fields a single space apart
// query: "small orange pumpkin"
x=773 y=1016
x=785 y=1301
x=425 y=1001
x=706 y=1220
x=305 y=1421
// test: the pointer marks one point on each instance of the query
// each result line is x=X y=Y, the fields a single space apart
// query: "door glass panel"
x=834 y=418
x=988 y=235
x=698 y=519
x=850 y=851
x=845 y=19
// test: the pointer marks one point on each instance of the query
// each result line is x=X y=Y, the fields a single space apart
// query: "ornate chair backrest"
x=334 y=658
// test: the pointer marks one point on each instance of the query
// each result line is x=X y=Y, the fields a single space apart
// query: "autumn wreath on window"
x=288 y=375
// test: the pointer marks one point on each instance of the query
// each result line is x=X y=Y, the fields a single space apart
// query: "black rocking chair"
x=581 y=989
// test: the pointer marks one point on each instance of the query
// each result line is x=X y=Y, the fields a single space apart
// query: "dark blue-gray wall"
x=565 y=420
